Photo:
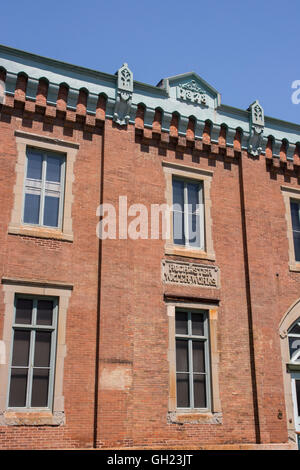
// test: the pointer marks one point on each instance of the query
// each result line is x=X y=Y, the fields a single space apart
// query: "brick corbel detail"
x=50 y=113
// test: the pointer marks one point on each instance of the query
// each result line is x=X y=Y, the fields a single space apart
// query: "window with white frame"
x=192 y=359
x=295 y=377
x=295 y=216
x=294 y=348
x=44 y=188
x=32 y=362
x=297 y=395
x=188 y=213
x=294 y=341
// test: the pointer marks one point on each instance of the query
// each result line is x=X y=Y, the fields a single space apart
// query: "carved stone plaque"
x=190 y=274
x=191 y=92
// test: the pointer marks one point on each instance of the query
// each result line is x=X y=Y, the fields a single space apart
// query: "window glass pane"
x=296 y=236
x=194 y=230
x=182 y=363
x=51 y=208
x=193 y=197
x=199 y=391
x=21 y=348
x=183 y=390
x=42 y=349
x=295 y=330
x=32 y=208
x=178 y=194
x=198 y=324
x=181 y=323
x=178 y=228
x=198 y=356
x=24 y=311
x=294 y=344
x=297 y=383
x=18 y=385
x=44 y=312
x=40 y=384
x=53 y=170
x=34 y=166
x=295 y=215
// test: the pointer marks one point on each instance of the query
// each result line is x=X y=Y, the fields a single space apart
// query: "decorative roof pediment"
x=191 y=89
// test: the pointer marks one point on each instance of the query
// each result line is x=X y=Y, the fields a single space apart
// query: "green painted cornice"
x=45 y=63
x=186 y=94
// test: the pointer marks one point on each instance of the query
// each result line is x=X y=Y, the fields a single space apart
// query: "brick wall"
x=133 y=370
x=73 y=263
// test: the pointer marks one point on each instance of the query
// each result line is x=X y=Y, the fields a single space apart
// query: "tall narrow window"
x=44 y=185
x=294 y=341
x=297 y=387
x=188 y=213
x=295 y=214
x=192 y=359
x=295 y=376
x=294 y=347
x=33 y=353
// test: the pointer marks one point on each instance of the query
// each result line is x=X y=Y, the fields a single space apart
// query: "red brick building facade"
x=119 y=306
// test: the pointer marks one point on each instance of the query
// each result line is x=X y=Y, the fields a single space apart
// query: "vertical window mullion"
x=207 y=363
x=190 y=359
x=189 y=323
x=11 y=357
x=24 y=187
x=61 y=194
x=34 y=313
x=186 y=214
x=31 y=354
x=43 y=188
x=52 y=356
x=30 y=368
x=201 y=217
x=51 y=370
x=191 y=372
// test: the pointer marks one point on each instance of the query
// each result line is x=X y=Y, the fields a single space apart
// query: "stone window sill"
x=295 y=267
x=32 y=418
x=193 y=416
x=40 y=232
x=177 y=250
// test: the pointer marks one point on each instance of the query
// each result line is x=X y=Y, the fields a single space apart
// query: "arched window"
x=289 y=330
x=294 y=348
x=294 y=341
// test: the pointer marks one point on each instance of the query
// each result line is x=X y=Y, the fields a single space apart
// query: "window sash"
x=43 y=188
x=296 y=398
x=186 y=225
x=33 y=327
x=295 y=357
x=191 y=339
x=296 y=229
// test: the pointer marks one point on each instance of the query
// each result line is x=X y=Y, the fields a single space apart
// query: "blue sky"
x=247 y=50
